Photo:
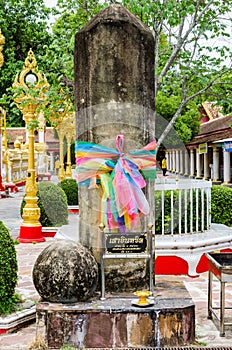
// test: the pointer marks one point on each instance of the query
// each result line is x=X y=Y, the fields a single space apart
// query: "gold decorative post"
x=33 y=83
x=5 y=147
x=61 y=132
x=2 y=42
x=70 y=129
x=2 y=115
x=57 y=117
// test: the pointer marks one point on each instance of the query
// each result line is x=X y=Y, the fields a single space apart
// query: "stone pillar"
x=114 y=84
x=226 y=166
x=216 y=164
x=192 y=163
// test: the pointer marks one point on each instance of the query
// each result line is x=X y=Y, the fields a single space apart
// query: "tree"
x=187 y=125
x=186 y=65
x=220 y=93
x=24 y=24
x=186 y=23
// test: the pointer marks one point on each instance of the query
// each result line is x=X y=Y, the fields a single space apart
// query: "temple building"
x=208 y=155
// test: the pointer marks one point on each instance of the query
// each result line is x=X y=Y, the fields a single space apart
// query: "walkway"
x=207 y=332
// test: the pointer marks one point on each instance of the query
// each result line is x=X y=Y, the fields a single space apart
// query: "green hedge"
x=8 y=271
x=70 y=187
x=221 y=205
x=53 y=205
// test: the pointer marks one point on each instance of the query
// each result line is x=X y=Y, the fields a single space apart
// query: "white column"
x=173 y=160
x=198 y=164
x=181 y=162
x=216 y=164
x=206 y=166
x=226 y=167
x=41 y=136
x=186 y=163
x=177 y=161
x=168 y=160
x=192 y=163
x=52 y=161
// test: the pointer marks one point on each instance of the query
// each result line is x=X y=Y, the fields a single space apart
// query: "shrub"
x=70 y=187
x=52 y=202
x=221 y=205
x=8 y=271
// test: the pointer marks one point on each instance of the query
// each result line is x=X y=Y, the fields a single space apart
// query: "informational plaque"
x=128 y=243
x=228 y=146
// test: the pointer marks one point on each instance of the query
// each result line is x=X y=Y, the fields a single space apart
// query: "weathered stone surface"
x=65 y=272
x=114 y=84
x=114 y=78
x=116 y=323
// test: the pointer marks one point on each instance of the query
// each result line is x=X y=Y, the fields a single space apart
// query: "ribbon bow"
x=122 y=177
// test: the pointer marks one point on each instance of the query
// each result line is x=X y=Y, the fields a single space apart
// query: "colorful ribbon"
x=122 y=177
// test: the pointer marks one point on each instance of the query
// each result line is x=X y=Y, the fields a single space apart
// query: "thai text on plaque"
x=128 y=243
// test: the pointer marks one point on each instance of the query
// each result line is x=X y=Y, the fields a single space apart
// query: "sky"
x=50 y=3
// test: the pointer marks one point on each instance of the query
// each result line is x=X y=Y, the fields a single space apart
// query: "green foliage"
x=221 y=205
x=70 y=187
x=52 y=202
x=178 y=198
x=67 y=347
x=24 y=25
x=184 y=67
x=8 y=271
x=186 y=126
x=220 y=93
x=186 y=63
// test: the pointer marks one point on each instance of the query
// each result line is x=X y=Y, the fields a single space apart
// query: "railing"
x=183 y=226
x=182 y=206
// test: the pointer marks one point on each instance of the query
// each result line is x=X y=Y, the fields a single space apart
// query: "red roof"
x=216 y=128
x=50 y=139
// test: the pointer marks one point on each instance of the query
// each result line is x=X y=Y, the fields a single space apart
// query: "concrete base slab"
x=17 y=320
x=117 y=323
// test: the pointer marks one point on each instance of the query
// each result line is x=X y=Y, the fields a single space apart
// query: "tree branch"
x=183 y=104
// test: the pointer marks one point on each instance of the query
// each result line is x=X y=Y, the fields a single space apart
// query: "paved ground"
x=207 y=331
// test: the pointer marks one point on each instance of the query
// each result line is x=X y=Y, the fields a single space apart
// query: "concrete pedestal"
x=117 y=323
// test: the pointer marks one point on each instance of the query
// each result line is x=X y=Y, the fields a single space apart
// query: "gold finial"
x=30 y=61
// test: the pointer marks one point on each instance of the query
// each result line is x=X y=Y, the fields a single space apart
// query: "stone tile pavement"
x=207 y=331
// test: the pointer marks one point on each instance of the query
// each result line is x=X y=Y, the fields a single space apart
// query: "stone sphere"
x=65 y=272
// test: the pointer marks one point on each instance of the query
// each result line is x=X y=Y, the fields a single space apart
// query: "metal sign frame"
x=131 y=241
